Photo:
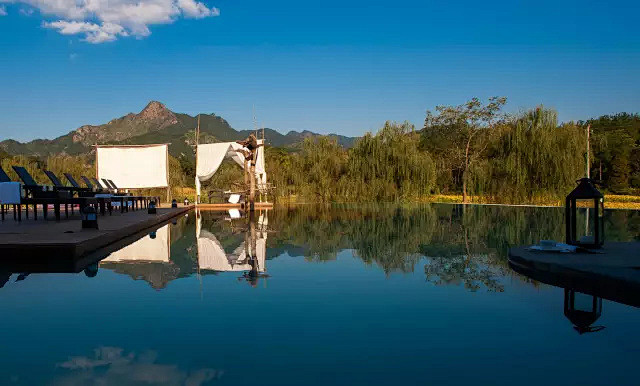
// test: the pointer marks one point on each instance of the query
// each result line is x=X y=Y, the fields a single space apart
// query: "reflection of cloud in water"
x=111 y=365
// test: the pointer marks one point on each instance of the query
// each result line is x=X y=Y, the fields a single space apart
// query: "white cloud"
x=112 y=366
x=106 y=20
x=94 y=33
x=3 y=11
x=26 y=11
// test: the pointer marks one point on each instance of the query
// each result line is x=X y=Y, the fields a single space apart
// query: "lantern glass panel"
x=584 y=302
x=586 y=213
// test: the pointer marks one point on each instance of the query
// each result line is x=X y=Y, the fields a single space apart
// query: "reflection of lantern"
x=91 y=270
x=152 y=235
x=152 y=208
x=582 y=310
x=89 y=217
x=174 y=203
x=585 y=202
x=186 y=201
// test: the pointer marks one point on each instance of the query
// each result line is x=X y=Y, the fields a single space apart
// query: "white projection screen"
x=132 y=167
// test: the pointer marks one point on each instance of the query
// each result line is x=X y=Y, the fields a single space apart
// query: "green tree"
x=457 y=134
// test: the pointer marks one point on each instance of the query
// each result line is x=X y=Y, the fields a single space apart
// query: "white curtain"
x=210 y=157
x=211 y=254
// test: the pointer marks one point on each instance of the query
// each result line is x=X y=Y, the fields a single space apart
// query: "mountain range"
x=155 y=124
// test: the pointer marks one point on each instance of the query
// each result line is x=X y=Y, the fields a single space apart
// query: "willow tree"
x=533 y=157
x=319 y=167
x=389 y=165
x=455 y=133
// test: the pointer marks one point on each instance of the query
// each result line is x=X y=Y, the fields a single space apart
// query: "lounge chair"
x=104 y=202
x=125 y=198
x=37 y=195
x=145 y=198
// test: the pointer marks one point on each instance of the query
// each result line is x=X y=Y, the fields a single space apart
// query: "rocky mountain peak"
x=156 y=111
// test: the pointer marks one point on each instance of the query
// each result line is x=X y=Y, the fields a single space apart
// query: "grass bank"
x=612 y=201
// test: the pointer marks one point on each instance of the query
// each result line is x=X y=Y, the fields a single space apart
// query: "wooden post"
x=252 y=182
x=246 y=182
x=254 y=252
x=588 y=151
x=197 y=198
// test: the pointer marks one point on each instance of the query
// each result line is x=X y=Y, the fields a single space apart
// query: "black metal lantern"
x=584 y=210
x=91 y=270
x=151 y=209
x=174 y=203
x=582 y=310
x=89 y=218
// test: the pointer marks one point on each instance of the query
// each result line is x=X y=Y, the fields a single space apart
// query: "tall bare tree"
x=455 y=133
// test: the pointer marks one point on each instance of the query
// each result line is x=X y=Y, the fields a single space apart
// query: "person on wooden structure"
x=250 y=143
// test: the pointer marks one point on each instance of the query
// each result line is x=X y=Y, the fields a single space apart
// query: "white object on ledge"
x=234 y=198
x=10 y=193
x=553 y=246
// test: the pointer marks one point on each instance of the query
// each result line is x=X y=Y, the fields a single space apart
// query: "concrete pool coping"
x=613 y=273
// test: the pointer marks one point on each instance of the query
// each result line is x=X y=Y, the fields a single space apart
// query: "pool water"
x=311 y=295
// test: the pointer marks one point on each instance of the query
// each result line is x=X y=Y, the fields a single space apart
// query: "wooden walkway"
x=612 y=273
x=51 y=243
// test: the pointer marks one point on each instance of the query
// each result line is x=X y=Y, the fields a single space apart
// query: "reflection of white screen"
x=134 y=167
x=212 y=256
x=145 y=249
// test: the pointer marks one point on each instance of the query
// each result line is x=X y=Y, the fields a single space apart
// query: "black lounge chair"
x=112 y=185
x=37 y=195
x=125 y=199
x=90 y=185
x=104 y=202
x=140 y=200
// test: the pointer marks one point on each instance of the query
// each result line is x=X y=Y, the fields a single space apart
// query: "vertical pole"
x=252 y=183
x=168 y=182
x=586 y=222
x=254 y=252
x=197 y=198
x=600 y=177
x=96 y=147
x=246 y=182
x=588 y=150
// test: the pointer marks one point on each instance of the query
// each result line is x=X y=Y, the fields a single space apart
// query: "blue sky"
x=342 y=67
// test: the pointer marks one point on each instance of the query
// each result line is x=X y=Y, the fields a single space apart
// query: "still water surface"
x=332 y=295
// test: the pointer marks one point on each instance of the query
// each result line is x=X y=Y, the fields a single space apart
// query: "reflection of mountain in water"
x=157 y=258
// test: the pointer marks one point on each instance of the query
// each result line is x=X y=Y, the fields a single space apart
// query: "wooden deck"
x=50 y=243
x=612 y=273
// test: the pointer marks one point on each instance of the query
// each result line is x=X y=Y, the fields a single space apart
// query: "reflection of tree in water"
x=463 y=245
x=460 y=245
x=112 y=366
